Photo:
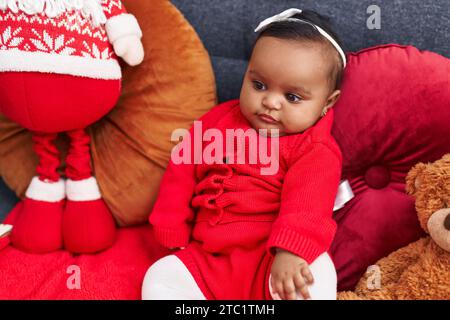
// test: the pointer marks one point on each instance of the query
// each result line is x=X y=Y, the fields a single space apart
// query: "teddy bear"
x=420 y=270
x=60 y=73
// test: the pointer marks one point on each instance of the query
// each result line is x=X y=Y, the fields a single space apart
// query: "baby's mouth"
x=267 y=118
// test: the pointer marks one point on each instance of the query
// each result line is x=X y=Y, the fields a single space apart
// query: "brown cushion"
x=131 y=146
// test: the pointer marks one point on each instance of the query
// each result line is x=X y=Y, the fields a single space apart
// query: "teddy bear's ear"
x=413 y=178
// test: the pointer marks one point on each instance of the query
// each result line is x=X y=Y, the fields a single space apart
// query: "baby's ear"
x=413 y=178
x=332 y=98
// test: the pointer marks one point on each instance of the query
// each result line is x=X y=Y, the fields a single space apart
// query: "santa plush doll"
x=59 y=73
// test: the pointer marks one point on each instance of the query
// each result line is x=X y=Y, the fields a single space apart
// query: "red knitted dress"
x=230 y=217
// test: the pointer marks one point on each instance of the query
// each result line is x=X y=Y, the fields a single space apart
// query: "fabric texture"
x=66 y=103
x=116 y=273
x=87 y=226
x=78 y=159
x=71 y=41
x=206 y=207
x=39 y=229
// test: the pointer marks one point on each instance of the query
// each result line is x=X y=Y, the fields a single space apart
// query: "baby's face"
x=286 y=86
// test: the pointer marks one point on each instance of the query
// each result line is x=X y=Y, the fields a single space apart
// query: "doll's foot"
x=38 y=218
x=88 y=225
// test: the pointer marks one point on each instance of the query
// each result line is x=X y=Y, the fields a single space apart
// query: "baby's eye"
x=258 y=85
x=293 y=97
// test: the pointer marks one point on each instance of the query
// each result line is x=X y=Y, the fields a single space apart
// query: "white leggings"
x=169 y=279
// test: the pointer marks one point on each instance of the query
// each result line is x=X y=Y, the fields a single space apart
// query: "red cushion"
x=394 y=112
x=116 y=273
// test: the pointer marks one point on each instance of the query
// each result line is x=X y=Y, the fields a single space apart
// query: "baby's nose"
x=272 y=103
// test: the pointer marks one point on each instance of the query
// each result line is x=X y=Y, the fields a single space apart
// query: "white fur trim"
x=46 y=191
x=122 y=25
x=90 y=9
x=5 y=229
x=83 y=190
x=17 y=61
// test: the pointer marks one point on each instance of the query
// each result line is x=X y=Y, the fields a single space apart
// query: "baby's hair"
x=294 y=30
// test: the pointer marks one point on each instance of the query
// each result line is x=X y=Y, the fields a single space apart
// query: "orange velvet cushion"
x=131 y=145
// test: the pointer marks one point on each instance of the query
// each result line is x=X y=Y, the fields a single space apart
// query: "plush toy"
x=59 y=73
x=420 y=270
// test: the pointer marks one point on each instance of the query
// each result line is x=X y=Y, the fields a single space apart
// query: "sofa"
x=376 y=178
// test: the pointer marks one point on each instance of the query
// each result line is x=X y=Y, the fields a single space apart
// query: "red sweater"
x=299 y=198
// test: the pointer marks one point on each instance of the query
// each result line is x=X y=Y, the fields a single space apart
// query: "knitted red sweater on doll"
x=59 y=73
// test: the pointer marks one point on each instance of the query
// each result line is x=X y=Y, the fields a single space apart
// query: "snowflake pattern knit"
x=74 y=38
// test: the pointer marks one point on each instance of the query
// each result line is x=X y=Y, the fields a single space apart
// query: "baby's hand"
x=290 y=274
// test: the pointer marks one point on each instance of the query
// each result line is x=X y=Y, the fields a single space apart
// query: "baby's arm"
x=172 y=215
x=304 y=228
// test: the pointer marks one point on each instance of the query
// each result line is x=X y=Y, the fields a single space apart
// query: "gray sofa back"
x=225 y=27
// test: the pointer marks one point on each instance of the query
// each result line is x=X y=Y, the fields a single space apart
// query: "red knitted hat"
x=63 y=36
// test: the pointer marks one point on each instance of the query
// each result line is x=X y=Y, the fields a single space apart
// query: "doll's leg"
x=88 y=225
x=169 y=279
x=38 y=225
x=325 y=280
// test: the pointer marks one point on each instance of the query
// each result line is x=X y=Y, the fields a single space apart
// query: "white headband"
x=287 y=16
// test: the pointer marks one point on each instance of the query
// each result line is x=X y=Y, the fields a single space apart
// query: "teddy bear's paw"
x=88 y=226
x=38 y=226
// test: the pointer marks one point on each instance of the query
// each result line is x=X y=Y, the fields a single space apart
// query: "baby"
x=242 y=234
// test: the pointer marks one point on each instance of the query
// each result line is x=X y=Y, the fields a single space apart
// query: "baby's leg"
x=169 y=279
x=325 y=280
